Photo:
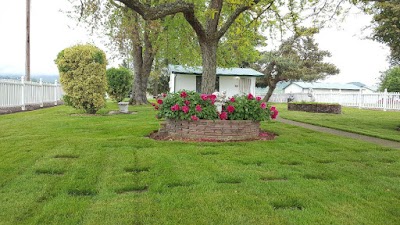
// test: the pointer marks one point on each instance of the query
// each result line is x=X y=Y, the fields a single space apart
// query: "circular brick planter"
x=316 y=108
x=212 y=130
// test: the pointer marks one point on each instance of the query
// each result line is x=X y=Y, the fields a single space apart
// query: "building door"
x=198 y=84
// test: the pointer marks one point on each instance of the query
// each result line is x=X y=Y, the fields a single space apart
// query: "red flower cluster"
x=194 y=118
x=223 y=116
x=263 y=105
x=230 y=108
x=274 y=112
x=258 y=98
x=250 y=96
x=185 y=109
x=183 y=94
x=206 y=97
x=175 y=108
x=198 y=108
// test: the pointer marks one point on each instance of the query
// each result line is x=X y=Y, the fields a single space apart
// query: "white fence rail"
x=380 y=100
x=20 y=93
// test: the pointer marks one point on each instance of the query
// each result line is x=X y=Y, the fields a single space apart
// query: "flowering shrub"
x=189 y=105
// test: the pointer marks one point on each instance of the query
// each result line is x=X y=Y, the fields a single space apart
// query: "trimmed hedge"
x=315 y=107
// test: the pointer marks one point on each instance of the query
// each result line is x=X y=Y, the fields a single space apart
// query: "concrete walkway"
x=378 y=141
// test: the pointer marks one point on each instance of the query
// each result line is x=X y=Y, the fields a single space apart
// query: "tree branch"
x=233 y=17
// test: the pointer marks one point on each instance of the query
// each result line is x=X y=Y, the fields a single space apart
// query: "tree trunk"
x=271 y=88
x=209 y=56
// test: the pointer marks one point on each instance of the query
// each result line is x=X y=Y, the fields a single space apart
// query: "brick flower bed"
x=315 y=107
x=218 y=130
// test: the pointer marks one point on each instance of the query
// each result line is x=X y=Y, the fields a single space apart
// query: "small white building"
x=321 y=88
x=235 y=81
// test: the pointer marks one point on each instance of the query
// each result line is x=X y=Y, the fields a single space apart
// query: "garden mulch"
x=378 y=141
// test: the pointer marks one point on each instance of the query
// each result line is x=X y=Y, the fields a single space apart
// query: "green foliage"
x=119 y=82
x=83 y=76
x=189 y=105
x=390 y=80
x=247 y=108
x=387 y=26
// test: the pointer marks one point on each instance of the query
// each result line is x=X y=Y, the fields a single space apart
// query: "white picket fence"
x=379 y=100
x=20 y=93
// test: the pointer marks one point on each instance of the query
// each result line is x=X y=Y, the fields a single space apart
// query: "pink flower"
x=160 y=101
x=183 y=94
x=198 y=108
x=258 y=98
x=274 y=112
x=164 y=95
x=175 y=107
x=212 y=97
x=194 y=118
x=223 y=116
x=187 y=102
x=204 y=97
x=232 y=99
x=185 y=109
x=263 y=105
x=250 y=96
x=231 y=108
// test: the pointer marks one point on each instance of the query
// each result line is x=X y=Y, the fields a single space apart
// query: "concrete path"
x=378 y=141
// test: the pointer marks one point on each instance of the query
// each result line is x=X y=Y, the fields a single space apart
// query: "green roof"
x=198 y=70
x=316 y=85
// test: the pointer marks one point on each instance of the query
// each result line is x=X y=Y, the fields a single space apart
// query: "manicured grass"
x=368 y=122
x=60 y=168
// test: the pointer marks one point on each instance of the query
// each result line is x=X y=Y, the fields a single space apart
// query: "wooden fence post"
x=23 y=93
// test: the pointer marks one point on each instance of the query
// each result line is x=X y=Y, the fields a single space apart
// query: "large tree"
x=298 y=58
x=390 y=80
x=211 y=19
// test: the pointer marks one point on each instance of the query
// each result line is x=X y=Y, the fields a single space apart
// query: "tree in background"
x=211 y=19
x=82 y=71
x=386 y=27
x=298 y=58
x=390 y=80
x=119 y=83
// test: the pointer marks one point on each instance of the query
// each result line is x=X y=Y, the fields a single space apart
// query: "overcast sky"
x=51 y=31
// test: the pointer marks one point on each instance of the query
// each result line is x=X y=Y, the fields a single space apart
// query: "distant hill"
x=36 y=78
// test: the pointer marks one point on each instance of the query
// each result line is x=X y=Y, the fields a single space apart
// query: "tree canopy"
x=298 y=58
x=390 y=80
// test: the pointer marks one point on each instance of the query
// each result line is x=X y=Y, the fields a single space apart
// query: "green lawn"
x=369 y=122
x=61 y=168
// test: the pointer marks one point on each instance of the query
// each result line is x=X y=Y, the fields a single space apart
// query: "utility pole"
x=28 y=41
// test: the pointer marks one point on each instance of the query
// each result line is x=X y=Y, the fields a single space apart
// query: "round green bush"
x=83 y=76
x=119 y=83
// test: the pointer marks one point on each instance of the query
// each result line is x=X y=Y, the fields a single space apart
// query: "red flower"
x=212 y=97
x=223 y=116
x=231 y=108
x=183 y=94
x=204 y=97
x=274 y=112
x=160 y=101
x=175 y=107
x=156 y=107
x=187 y=102
x=232 y=99
x=263 y=105
x=258 y=98
x=185 y=109
x=194 y=118
x=152 y=104
x=164 y=95
x=250 y=96
x=198 y=108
